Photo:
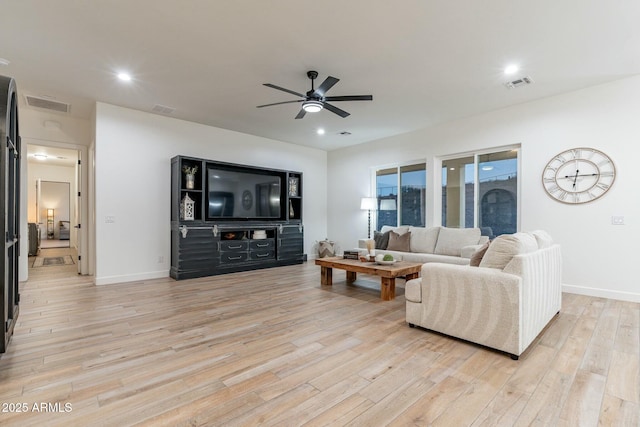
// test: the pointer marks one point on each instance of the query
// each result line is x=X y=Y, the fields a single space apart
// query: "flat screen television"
x=236 y=192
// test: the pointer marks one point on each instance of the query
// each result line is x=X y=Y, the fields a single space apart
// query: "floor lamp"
x=368 y=204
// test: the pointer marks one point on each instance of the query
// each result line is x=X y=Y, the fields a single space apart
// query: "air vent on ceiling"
x=522 y=81
x=345 y=133
x=47 y=104
x=162 y=109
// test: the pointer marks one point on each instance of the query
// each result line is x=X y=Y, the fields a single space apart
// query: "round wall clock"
x=578 y=175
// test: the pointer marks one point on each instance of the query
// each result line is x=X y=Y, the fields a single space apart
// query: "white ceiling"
x=424 y=62
x=38 y=154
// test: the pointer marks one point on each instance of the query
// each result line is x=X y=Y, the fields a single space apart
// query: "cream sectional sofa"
x=434 y=244
x=504 y=303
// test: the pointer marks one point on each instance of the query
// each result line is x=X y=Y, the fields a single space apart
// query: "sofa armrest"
x=477 y=304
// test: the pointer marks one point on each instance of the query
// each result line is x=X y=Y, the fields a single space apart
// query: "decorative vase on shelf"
x=292 y=213
x=190 y=181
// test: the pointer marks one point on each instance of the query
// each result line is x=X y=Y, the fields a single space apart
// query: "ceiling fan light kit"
x=315 y=100
x=312 y=106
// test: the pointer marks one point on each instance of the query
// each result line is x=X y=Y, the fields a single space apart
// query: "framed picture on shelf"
x=293 y=186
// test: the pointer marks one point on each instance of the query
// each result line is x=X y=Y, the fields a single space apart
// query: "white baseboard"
x=602 y=293
x=110 y=280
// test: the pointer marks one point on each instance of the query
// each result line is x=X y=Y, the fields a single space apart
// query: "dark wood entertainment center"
x=230 y=217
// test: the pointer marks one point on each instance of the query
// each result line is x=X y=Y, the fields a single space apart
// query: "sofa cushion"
x=427 y=258
x=451 y=240
x=543 y=238
x=399 y=242
x=505 y=247
x=478 y=255
x=400 y=230
x=381 y=239
x=423 y=239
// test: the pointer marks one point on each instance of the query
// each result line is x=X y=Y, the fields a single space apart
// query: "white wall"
x=132 y=184
x=599 y=258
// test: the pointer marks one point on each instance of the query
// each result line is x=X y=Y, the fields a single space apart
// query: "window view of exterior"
x=407 y=207
x=496 y=177
x=458 y=203
x=498 y=191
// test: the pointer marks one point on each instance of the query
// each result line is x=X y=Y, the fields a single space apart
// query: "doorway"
x=53 y=210
x=53 y=203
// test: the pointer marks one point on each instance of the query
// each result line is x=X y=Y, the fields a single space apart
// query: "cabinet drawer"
x=263 y=254
x=262 y=244
x=291 y=230
x=234 y=245
x=228 y=257
x=289 y=242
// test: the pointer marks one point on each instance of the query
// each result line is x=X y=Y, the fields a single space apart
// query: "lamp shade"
x=368 y=203
x=387 y=205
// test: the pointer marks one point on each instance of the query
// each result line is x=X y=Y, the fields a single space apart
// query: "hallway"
x=53 y=272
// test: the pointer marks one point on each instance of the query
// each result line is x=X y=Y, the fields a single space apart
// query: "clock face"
x=578 y=175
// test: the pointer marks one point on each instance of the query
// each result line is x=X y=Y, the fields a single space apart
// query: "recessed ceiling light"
x=320 y=131
x=124 y=77
x=40 y=156
x=4 y=61
x=511 y=69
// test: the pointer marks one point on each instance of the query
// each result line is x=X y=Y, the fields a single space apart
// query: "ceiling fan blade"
x=336 y=110
x=301 y=113
x=350 y=98
x=326 y=85
x=283 y=89
x=278 y=103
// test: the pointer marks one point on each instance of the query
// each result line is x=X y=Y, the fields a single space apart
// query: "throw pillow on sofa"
x=477 y=256
x=505 y=247
x=399 y=242
x=381 y=239
x=401 y=229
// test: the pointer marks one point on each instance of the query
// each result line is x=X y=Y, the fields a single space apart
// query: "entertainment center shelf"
x=228 y=217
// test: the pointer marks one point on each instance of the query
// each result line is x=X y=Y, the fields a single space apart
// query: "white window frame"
x=476 y=188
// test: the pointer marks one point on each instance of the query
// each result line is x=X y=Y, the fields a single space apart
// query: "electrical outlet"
x=160 y=259
x=617 y=220
x=109 y=219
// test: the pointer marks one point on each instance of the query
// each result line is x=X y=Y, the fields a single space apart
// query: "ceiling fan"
x=315 y=99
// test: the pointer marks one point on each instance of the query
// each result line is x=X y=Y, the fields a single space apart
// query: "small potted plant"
x=190 y=176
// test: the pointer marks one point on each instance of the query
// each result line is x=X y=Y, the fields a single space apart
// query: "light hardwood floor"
x=273 y=347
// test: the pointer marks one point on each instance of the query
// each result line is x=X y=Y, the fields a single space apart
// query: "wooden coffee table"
x=387 y=273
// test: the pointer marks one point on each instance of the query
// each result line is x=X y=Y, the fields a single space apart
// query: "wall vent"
x=162 y=109
x=47 y=104
x=522 y=81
